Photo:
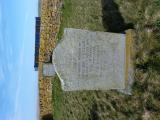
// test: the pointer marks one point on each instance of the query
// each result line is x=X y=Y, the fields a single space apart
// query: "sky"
x=18 y=80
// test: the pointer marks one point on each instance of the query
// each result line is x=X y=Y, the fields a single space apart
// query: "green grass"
x=80 y=14
x=158 y=23
x=111 y=105
x=157 y=2
x=57 y=99
x=66 y=12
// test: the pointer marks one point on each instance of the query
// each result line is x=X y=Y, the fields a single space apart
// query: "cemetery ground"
x=115 y=16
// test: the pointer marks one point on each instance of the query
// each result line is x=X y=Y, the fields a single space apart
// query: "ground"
x=115 y=16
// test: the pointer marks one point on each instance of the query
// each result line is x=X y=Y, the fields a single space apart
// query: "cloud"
x=9 y=62
x=10 y=51
x=1 y=74
x=1 y=42
x=15 y=117
x=22 y=53
x=1 y=35
x=9 y=67
x=21 y=61
x=18 y=87
x=18 y=100
x=17 y=108
x=0 y=14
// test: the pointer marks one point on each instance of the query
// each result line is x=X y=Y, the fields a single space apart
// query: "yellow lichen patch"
x=50 y=20
x=129 y=53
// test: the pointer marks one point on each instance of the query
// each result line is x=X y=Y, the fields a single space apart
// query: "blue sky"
x=18 y=80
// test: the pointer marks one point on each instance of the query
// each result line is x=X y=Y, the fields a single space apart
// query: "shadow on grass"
x=93 y=112
x=112 y=18
x=47 y=117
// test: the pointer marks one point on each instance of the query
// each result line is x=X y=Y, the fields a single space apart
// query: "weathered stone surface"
x=129 y=68
x=48 y=70
x=86 y=60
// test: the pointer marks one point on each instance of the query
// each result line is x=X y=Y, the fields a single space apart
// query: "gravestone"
x=86 y=60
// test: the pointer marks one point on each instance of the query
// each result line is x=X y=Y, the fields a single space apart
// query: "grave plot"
x=84 y=105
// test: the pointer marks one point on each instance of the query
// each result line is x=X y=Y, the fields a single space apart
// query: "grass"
x=157 y=2
x=65 y=13
x=158 y=23
x=57 y=99
x=81 y=14
x=101 y=105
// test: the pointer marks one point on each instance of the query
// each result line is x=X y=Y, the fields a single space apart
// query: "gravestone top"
x=86 y=60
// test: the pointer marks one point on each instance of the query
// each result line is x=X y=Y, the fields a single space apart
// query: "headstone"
x=86 y=60
x=48 y=70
